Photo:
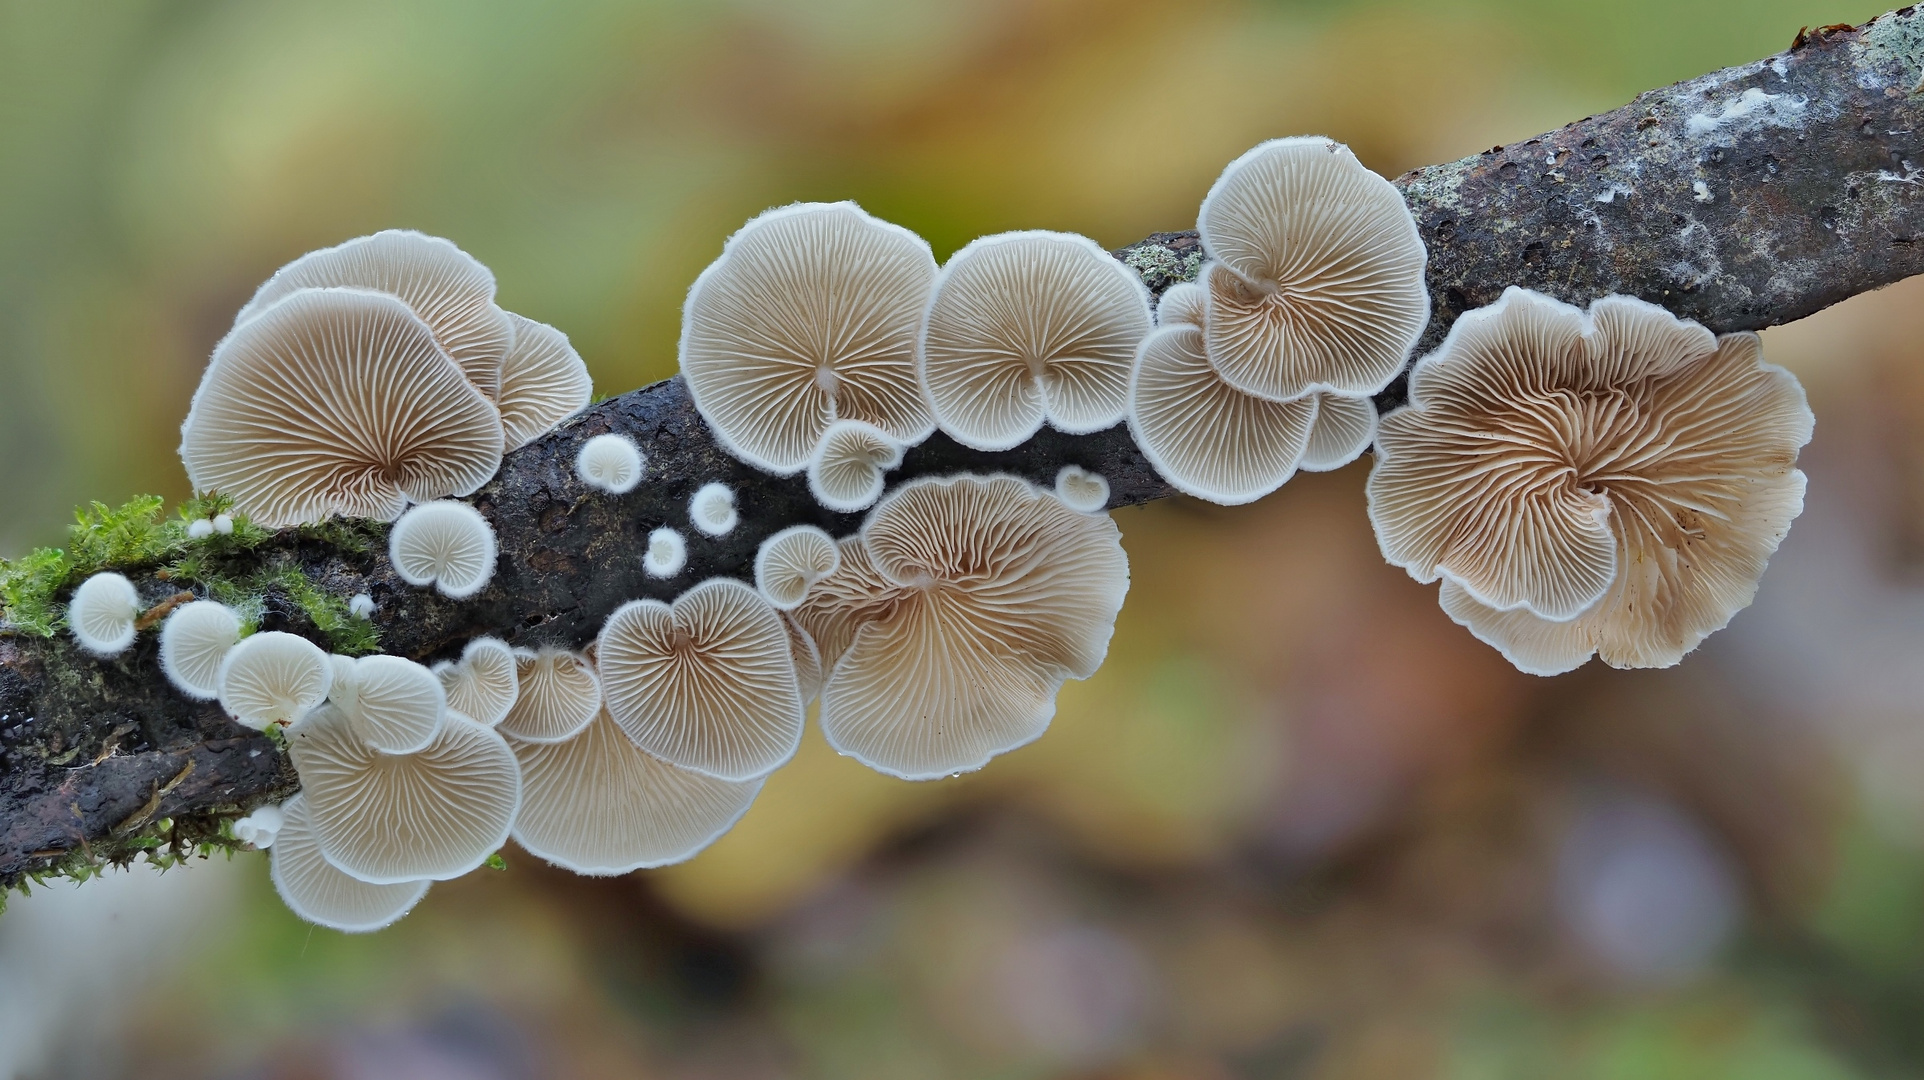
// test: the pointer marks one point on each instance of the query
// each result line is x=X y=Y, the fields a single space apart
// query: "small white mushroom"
x=558 y=695
x=543 y=382
x=610 y=463
x=273 y=678
x=320 y=893
x=200 y=529
x=397 y=705
x=224 y=524
x=846 y=472
x=446 y=544
x=1343 y=429
x=707 y=683
x=193 y=642
x=260 y=828
x=483 y=686
x=102 y=614
x=597 y=804
x=791 y=561
x=666 y=555
x=1183 y=302
x=361 y=606
x=1080 y=489
x=1027 y=327
x=390 y=818
x=712 y=509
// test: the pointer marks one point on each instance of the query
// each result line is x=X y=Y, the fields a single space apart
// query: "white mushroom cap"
x=1205 y=437
x=846 y=472
x=707 y=683
x=558 y=695
x=224 y=524
x=445 y=286
x=446 y=544
x=1183 y=302
x=543 y=382
x=610 y=463
x=1080 y=489
x=315 y=890
x=273 y=678
x=388 y=818
x=397 y=705
x=1611 y=482
x=1318 y=279
x=1343 y=429
x=336 y=401
x=599 y=805
x=193 y=642
x=483 y=686
x=200 y=529
x=666 y=555
x=808 y=660
x=808 y=317
x=791 y=561
x=102 y=614
x=1026 y=327
x=712 y=509
x=260 y=828
x=361 y=606
x=344 y=682
x=956 y=617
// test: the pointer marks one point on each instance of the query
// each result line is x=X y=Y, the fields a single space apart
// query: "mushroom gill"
x=791 y=561
x=543 y=382
x=321 y=893
x=484 y=684
x=845 y=475
x=557 y=695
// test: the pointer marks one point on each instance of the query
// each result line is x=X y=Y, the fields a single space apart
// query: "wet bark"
x=1743 y=199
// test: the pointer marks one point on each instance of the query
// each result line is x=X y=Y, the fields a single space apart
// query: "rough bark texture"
x=1743 y=199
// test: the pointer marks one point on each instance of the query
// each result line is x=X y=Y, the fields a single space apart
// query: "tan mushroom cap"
x=446 y=544
x=1318 y=278
x=1080 y=489
x=336 y=401
x=846 y=472
x=103 y=612
x=956 y=616
x=1205 y=437
x=322 y=894
x=808 y=317
x=1343 y=429
x=707 y=683
x=389 y=818
x=484 y=684
x=1027 y=327
x=445 y=286
x=395 y=706
x=1183 y=302
x=1621 y=472
x=597 y=804
x=558 y=696
x=193 y=641
x=273 y=678
x=791 y=561
x=543 y=382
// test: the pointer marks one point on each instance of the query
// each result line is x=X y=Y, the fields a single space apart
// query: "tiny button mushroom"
x=712 y=509
x=791 y=561
x=193 y=641
x=610 y=463
x=102 y=614
x=224 y=524
x=200 y=529
x=446 y=544
x=361 y=606
x=321 y=893
x=483 y=686
x=846 y=473
x=666 y=555
x=261 y=827
x=1080 y=489
x=273 y=678
x=543 y=382
x=557 y=695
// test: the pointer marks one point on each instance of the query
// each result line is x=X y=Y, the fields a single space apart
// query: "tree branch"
x=1745 y=198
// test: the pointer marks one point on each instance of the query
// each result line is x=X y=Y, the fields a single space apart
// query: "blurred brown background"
x=1299 y=826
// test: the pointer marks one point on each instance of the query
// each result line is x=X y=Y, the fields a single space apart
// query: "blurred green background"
x=1299 y=826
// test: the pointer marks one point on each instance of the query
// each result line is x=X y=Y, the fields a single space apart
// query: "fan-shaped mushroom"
x=1183 y=302
x=102 y=614
x=317 y=891
x=446 y=544
x=666 y=555
x=193 y=642
x=1317 y=281
x=954 y=619
x=273 y=678
x=809 y=316
x=1080 y=489
x=1612 y=481
x=706 y=683
x=846 y=472
x=557 y=695
x=336 y=401
x=261 y=828
x=1343 y=429
x=712 y=509
x=791 y=561
x=1025 y=327
x=394 y=705
x=610 y=463
x=543 y=382
x=484 y=684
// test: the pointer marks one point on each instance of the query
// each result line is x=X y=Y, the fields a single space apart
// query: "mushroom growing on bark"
x=845 y=475
x=1080 y=489
x=193 y=641
x=543 y=382
x=1609 y=482
x=557 y=695
x=610 y=463
x=484 y=684
x=791 y=561
x=392 y=703
x=667 y=553
x=712 y=509
x=102 y=614
x=446 y=544
x=320 y=892
x=273 y=678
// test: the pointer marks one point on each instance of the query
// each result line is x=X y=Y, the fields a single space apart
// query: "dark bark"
x=1812 y=190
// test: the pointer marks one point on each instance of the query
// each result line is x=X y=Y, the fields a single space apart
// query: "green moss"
x=163 y=844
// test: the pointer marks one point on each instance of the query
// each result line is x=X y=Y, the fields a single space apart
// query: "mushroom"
x=1027 y=327
x=666 y=555
x=224 y=524
x=261 y=828
x=557 y=696
x=846 y=472
x=597 y=804
x=791 y=561
x=543 y=382
x=1610 y=482
x=1343 y=429
x=388 y=818
x=610 y=463
x=808 y=660
x=273 y=678
x=1205 y=437
x=1317 y=278
x=361 y=606
x=1182 y=302
x=712 y=509
x=1080 y=489
x=193 y=642
x=335 y=401
x=706 y=683
x=451 y=292
x=808 y=317
x=314 y=889
x=102 y=614
x=446 y=544
x=394 y=705
x=200 y=529
x=954 y=619
x=483 y=686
